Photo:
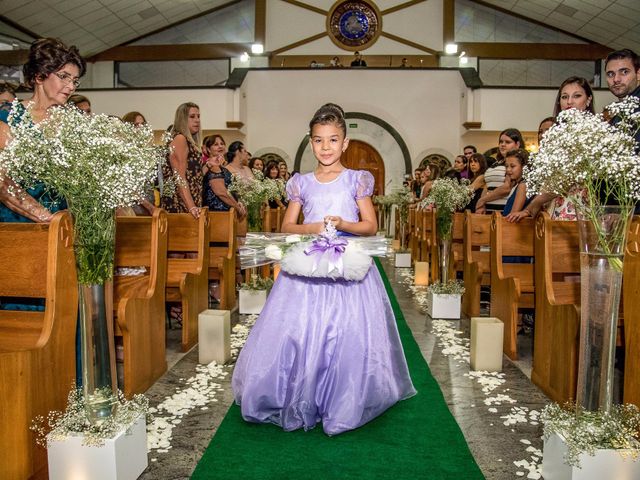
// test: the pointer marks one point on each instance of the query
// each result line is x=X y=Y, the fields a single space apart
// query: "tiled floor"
x=494 y=445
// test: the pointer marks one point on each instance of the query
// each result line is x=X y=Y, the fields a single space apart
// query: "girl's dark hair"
x=521 y=154
x=233 y=149
x=329 y=113
x=271 y=164
x=515 y=135
x=580 y=81
x=209 y=140
x=48 y=55
x=478 y=157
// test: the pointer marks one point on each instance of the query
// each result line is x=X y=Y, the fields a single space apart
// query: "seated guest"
x=498 y=185
x=461 y=165
x=358 y=61
x=256 y=164
x=284 y=170
x=416 y=182
x=272 y=174
x=430 y=173
x=216 y=193
x=134 y=117
x=516 y=160
x=81 y=102
x=237 y=161
x=53 y=71
x=7 y=92
x=477 y=167
x=468 y=151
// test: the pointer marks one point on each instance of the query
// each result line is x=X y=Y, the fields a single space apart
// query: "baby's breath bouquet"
x=254 y=193
x=584 y=431
x=447 y=195
x=592 y=162
x=96 y=162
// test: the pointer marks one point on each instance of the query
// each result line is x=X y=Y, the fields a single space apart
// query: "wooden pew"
x=415 y=219
x=511 y=283
x=272 y=219
x=187 y=277
x=222 y=255
x=139 y=300
x=457 y=248
x=429 y=244
x=37 y=348
x=476 y=260
x=557 y=300
x=631 y=308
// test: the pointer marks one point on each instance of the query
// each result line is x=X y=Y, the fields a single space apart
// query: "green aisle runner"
x=416 y=439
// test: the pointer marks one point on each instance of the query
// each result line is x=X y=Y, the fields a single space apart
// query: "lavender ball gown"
x=323 y=350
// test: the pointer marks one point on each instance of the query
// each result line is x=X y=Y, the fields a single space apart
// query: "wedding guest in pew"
x=416 y=183
x=213 y=146
x=516 y=160
x=256 y=164
x=574 y=92
x=461 y=165
x=53 y=71
x=430 y=173
x=80 y=102
x=237 y=161
x=498 y=185
x=477 y=167
x=272 y=174
x=183 y=162
x=136 y=118
x=7 y=92
x=183 y=166
x=216 y=194
x=284 y=170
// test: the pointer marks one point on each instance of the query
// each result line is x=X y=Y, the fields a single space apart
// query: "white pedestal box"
x=443 y=305
x=605 y=464
x=403 y=260
x=121 y=458
x=486 y=344
x=251 y=301
x=214 y=336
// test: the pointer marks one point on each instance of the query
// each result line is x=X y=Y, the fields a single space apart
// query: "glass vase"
x=254 y=218
x=94 y=246
x=98 y=351
x=445 y=255
x=603 y=232
x=387 y=220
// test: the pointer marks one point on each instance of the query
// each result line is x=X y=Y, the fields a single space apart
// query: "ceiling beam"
x=14 y=57
x=298 y=43
x=260 y=29
x=409 y=43
x=538 y=51
x=19 y=27
x=307 y=6
x=159 y=53
x=401 y=6
x=448 y=21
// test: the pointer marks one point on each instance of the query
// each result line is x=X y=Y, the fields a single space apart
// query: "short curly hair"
x=48 y=55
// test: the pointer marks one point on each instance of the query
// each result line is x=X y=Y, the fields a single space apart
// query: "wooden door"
x=362 y=156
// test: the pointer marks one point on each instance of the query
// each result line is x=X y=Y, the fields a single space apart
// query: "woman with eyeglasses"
x=53 y=71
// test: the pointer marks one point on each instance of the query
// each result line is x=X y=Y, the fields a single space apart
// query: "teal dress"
x=39 y=192
x=43 y=196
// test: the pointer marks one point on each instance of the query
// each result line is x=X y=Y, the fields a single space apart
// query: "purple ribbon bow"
x=333 y=248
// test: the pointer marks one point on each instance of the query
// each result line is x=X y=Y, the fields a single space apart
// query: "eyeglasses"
x=67 y=79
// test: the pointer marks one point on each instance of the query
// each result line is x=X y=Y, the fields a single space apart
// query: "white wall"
x=423 y=106
x=159 y=106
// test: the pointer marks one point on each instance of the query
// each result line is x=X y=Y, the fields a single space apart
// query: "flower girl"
x=324 y=349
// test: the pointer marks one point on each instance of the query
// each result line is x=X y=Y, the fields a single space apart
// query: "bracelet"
x=192 y=209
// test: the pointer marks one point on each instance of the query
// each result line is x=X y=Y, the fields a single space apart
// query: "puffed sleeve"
x=293 y=189
x=364 y=184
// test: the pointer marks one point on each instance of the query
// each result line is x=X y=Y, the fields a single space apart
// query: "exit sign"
x=353 y=125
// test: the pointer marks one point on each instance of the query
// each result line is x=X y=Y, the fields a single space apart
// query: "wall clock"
x=354 y=25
